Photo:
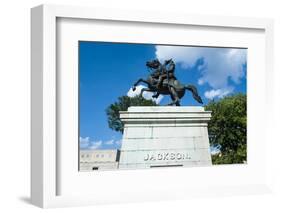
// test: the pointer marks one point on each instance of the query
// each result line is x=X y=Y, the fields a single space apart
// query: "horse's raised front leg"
x=140 y=80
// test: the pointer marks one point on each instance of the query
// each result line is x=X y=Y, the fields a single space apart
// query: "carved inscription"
x=165 y=156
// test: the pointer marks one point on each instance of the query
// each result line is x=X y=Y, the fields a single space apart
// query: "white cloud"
x=95 y=145
x=87 y=143
x=217 y=67
x=220 y=93
x=146 y=95
x=109 y=142
x=200 y=82
x=118 y=142
x=113 y=143
x=84 y=140
x=215 y=149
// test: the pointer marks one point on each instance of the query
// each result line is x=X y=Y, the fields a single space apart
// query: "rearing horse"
x=162 y=81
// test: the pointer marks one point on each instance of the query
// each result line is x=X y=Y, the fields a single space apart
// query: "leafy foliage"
x=123 y=103
x=228 y=129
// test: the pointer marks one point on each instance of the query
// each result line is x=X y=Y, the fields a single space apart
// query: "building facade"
x=99 y=159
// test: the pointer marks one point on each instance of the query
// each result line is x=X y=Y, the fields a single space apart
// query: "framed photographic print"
x=151 y=106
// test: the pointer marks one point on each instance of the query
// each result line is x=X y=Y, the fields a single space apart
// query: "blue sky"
x=108 y=70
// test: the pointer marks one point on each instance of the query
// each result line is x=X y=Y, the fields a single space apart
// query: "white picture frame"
x=44 y=148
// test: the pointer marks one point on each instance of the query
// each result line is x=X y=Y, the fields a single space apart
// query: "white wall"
x=15 y=98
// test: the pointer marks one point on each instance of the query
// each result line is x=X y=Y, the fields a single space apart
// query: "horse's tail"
x=195 y=94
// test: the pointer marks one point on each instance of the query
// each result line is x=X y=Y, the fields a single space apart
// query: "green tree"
x=228 y=129
x=123 y=103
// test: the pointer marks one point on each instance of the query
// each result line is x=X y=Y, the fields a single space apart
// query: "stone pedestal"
x=162 y=136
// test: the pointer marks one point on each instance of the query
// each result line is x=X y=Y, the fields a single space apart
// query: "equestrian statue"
x=162 y=80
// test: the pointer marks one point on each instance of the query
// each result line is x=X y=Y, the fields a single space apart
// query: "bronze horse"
x=163 y=81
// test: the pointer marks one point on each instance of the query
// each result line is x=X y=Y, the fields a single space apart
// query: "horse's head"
x=154 y=64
